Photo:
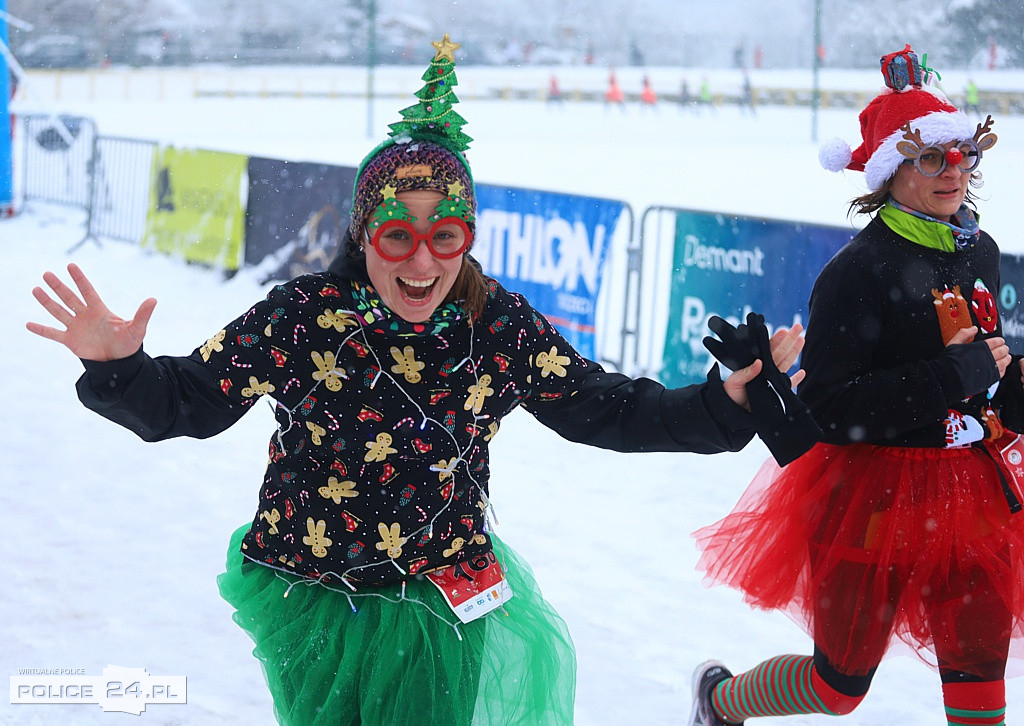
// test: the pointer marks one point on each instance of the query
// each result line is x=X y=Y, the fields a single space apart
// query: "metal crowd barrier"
x=120 y=188
x=58 y=158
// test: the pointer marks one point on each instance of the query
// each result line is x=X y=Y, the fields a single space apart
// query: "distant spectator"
x=554 y=91
x=758 y=56
x=706 y=99
x=614 y=92
x=636 y=56
x=971 y=98
x=686 y=99
x=648 y=97
x=746 y=100
x=737 y=55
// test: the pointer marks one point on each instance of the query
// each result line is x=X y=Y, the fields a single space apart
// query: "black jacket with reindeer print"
x=878 y=369
x=379 y=466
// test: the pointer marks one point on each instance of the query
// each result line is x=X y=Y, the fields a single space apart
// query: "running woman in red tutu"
x=904 y=524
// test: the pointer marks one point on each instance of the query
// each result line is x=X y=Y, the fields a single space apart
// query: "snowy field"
x=115 y=544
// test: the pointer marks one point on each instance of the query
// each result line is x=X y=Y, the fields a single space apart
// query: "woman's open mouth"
x=416 y=290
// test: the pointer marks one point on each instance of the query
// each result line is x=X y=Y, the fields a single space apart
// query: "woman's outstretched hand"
x=786 y=345
x=91 y=331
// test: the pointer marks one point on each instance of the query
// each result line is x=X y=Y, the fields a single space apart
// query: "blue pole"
x=6 y=161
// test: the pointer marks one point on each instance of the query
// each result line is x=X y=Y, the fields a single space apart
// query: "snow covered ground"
x=113 y=544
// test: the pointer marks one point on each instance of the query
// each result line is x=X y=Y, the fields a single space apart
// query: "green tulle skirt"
x=403 y=663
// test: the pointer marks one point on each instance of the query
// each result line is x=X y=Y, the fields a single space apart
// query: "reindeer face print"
x=952 y=310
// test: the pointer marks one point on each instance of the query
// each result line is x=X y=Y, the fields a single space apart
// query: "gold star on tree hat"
x=425 y=150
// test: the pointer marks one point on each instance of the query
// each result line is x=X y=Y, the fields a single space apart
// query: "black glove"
x=781 y=419
x=737 y=348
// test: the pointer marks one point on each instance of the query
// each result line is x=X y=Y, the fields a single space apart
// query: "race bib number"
x=473 y=587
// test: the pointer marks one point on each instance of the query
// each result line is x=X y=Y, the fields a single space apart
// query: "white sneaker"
x=706 y=676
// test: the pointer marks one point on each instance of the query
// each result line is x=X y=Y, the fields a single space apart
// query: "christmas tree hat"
x=424 y=150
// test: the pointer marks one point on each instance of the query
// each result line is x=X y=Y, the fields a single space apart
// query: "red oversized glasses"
x=397 y=239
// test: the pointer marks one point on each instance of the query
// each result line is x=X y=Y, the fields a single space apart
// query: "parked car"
x=161 y=47
x=56 y=51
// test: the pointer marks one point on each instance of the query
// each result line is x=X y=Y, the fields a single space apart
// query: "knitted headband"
x=905 y=100
x=424 y=150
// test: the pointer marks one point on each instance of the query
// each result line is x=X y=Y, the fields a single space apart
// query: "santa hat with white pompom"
x=904 y=100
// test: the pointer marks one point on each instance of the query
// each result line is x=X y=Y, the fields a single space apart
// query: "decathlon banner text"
x=551 y=248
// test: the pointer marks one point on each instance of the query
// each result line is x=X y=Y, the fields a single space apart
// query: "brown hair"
x=470 y=287
x=875 y=200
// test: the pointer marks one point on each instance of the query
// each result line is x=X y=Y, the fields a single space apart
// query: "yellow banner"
x=197 y=206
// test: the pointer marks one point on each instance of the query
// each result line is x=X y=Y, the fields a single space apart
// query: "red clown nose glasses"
x=933 y=160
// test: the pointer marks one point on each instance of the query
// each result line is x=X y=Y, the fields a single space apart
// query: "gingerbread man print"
x=551 y=362
x=478 y=394
x=406 y=364
x=316 y=540
x=316 y=432
x=327 y=370
x=256 y=388
x=272 y=518
x=335 y=490
x=379 y=448
x=337 y=320
x=213 y=345
x=391 y=539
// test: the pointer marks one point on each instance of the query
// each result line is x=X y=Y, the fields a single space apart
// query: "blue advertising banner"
x=1009 y=299
x=551 y=248
x=6 y=157
x=728 y=266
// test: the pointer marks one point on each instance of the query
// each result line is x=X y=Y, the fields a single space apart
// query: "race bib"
x=473 y=587
x=1011 y=448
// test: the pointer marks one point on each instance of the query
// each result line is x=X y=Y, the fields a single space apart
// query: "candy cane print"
x=407 y=418
x=519 y=338
x=289 y=384
x=421 y=511
x=334 y=422
x=295 y=333
x=507 y=386
x=236 y=364
x=445 y=342
x=303 y=496
x=316 y=463
x=305 y=297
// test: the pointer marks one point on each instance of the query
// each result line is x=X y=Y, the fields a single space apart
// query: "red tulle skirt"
x=866 y=546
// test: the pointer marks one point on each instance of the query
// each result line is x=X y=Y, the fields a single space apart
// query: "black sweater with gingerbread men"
x=379 y=466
